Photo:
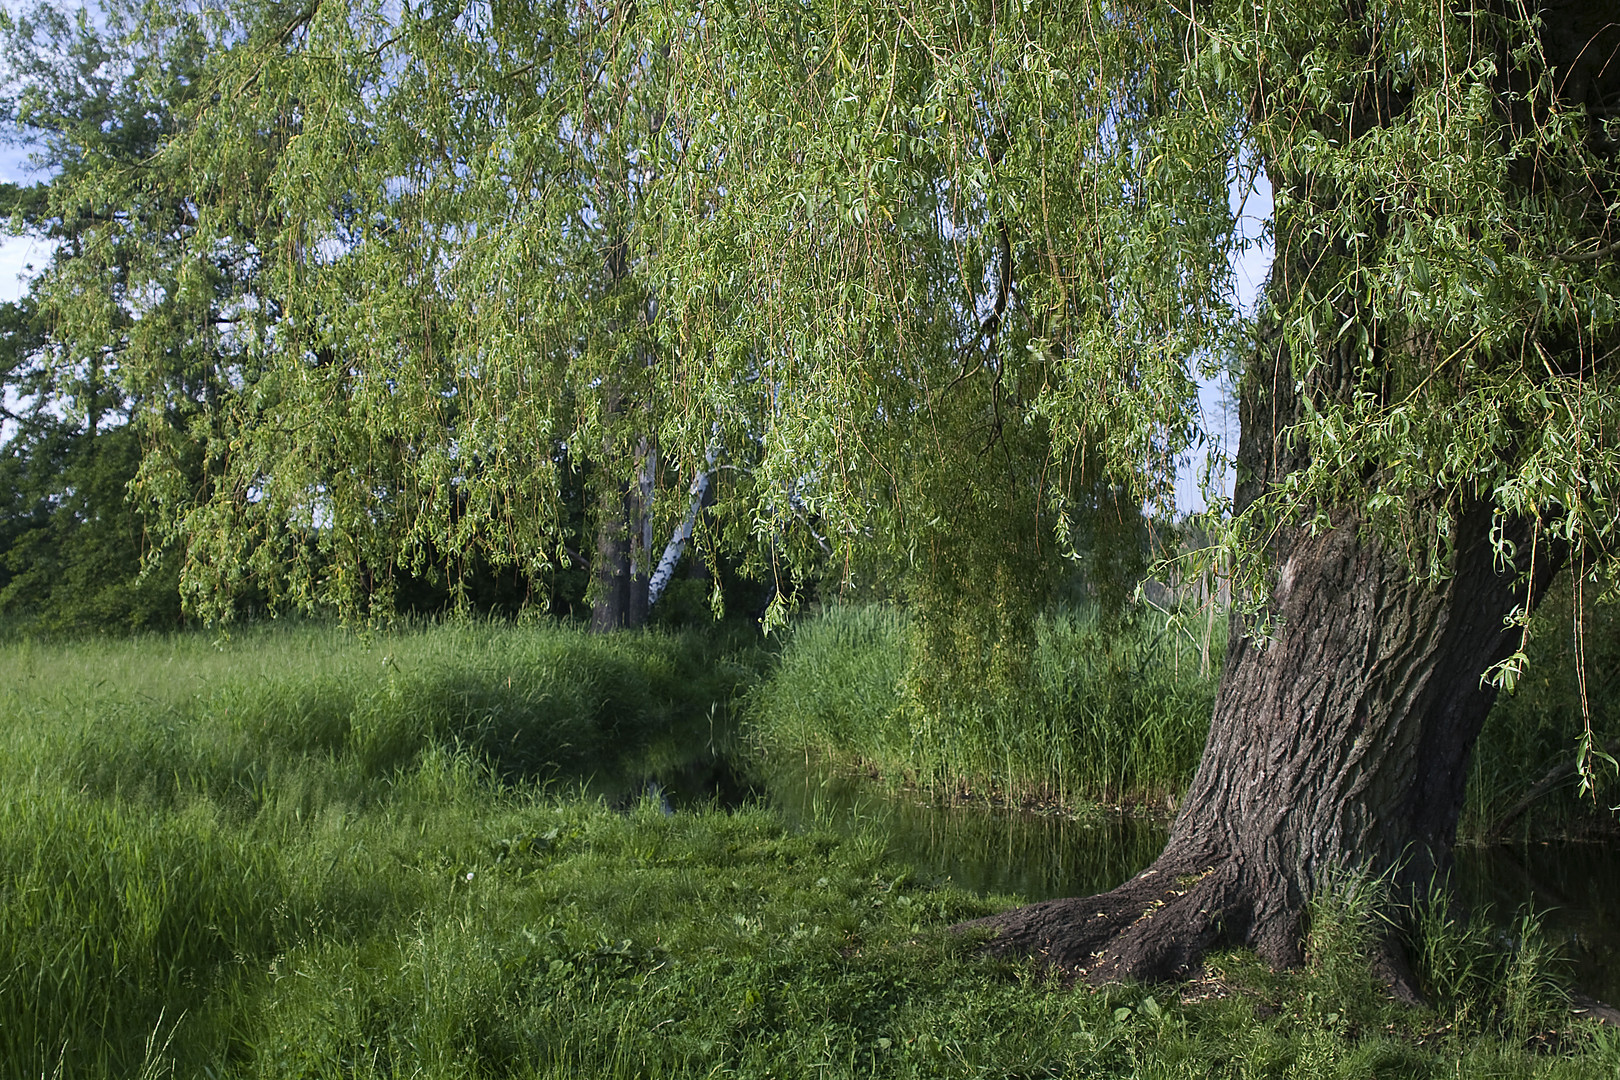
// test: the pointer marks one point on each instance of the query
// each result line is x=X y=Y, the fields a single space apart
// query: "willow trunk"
x=1339 y=743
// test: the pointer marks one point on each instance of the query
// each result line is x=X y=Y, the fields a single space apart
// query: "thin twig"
x=1587 y=256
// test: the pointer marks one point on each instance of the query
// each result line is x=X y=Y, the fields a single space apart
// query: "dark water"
x=1573 y=887
x=1031 y=856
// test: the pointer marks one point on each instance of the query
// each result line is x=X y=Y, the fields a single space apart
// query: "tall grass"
x=1483 y=981
x=1478 y=973
x=169 y=718
x=1120 y=716
x=176 y=813
x=1347 y=919
x=1116 y=716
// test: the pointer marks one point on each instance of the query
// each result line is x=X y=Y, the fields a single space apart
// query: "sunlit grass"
x=1110 y=717
x=175 y=812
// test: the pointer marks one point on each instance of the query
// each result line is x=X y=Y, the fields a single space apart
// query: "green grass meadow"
x=302 y=852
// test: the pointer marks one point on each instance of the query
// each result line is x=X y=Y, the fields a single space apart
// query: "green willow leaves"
x=936 y=280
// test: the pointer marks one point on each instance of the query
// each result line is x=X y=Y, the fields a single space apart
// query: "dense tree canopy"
x=88 y=96
x=874 y=254
x=471 y=249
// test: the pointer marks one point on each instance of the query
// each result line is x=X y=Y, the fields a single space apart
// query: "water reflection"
x=1571 y=885
x=1032 y=856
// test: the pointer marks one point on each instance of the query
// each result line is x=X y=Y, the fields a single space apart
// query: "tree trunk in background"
x=610 y=589
x=623 y=562
x=638 y=511
x=623 y=547
x=700 y=493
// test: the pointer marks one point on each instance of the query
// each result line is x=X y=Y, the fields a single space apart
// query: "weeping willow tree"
x=922 y=278
x=1427 y=440
x=1427 y=407
x=903 y=223
x=492 y=247
x=439 y=314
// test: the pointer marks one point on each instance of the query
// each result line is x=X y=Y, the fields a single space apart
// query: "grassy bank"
x=1109 y=717
x=178 y=812
x=1119 y=717
x=302 y=854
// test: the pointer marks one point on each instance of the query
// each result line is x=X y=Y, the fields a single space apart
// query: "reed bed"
x=1112 y=716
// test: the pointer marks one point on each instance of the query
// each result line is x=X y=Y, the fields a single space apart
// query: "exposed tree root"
x=1156 y=926
x=1589 y=1008
x=1391 y=967
x=1159 y=925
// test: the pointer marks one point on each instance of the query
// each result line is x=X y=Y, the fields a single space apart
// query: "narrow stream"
x=1023 y=855
x=1571 y=886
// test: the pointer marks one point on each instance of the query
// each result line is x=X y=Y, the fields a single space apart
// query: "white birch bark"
x=683 y=532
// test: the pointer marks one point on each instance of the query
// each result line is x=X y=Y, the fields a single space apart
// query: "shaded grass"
x=1478 y=974
x=1112 y=717
x=238 y=721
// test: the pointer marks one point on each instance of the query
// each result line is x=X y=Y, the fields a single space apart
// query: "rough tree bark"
x=1342 y=743
x=613 y=604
